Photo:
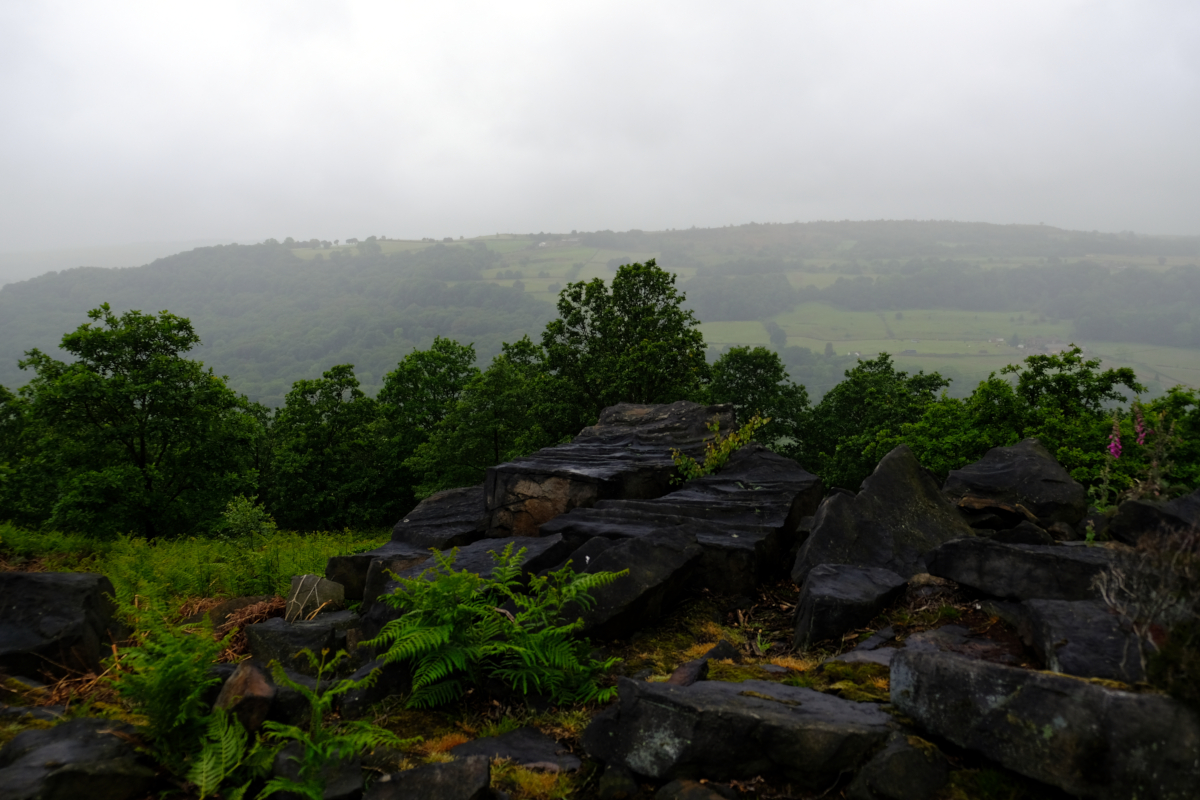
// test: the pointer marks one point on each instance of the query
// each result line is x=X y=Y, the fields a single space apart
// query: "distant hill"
x=272 y=313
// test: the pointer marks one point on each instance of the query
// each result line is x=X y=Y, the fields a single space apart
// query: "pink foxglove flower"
x=1140 y=427
x=1114 y=440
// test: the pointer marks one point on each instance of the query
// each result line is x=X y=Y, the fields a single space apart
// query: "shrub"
x=717 y=450
x=458 y=627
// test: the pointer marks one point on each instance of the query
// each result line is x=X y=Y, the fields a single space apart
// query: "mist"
x=136 y=122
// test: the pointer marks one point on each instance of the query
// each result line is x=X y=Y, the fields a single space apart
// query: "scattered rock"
x=747 y=517
x=1088 y=740
x=616 y=783
x=1137 y=517
x=248 y=694
x=1022 y=479
x=392 y=679
x=312 y=594
x=836 y=598
x=528 y=747
x=962 y=641
x=659 y=572
x=689 y=672
x=1081 y=638
x=908 y=768
x=897 y=517
x=722 y=650
x=870 y=650
x=280 y=640
x=626 y=455
x=393 y=558
x=1025 y=533
x=463 y=779
x=92 y=758
x=721 y=731
x=343 y=779
x=1021 y=571
x=55 y=622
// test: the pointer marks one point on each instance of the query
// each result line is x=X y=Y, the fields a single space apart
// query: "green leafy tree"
x=327 y=454
x=755 y=382
x=858 y=420
x=632 y=343
x=496 y=419
x=131 y=436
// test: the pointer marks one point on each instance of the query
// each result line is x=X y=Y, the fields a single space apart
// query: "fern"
x=225 y=756
x=454 y=629
x=322 y=744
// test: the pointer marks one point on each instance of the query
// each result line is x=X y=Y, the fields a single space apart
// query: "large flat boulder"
x=724 y=731
x=1081 y=637
x=1135 y=518
x=86 y=757
x=478 y=558
x=279 y=640
x=55 y=622
x=747 y=517
x=625 y=455
x=897 y=517
x=1089 y=740
x=836 y=598
x=1022 y=571
x=1021 y=481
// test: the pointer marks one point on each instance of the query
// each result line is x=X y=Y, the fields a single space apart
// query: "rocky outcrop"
x=721 y=731
x=1087 y=739
x=1135 y=518
x=280 y=640
x=1081 y=637
x=625 y=455
x=54 y=622
x=1014 y=483
x=837 y=598
x=1021 y=571
x=747 y=517
x=660 y=569
x=528 y=747
x=896 y=518
x=92 y=758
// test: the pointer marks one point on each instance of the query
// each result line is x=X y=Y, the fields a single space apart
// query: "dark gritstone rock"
x=689 y=672
x=721 y=731
x=1089 y=740
x=463 y=779
x=1025 y=533
x=1021 y=571
x=395 y=558
x=343 y=779
x=747 y=517
x=540 y=554
x=310 y=594
x=908 y=768
x=1081 y=638
x=1023 y=479
x=54 y=622
x=279 y=640
x=837 y=598
x=897 y=517
x=1137 y=517
x=626 y=455
x=90 y=758
x=690 y=790
x=528 y=747
x=248 y=694
x=660 y=569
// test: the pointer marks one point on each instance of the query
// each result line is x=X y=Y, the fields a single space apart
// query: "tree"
x=634 y=343
x=755 y=381
x=131 y=436
x=326 y=455
x=858 y=420
x=1066 y=384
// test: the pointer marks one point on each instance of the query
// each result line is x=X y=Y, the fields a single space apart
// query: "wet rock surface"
x=625 y=456
x=1135 y=518
x=1082 y=638
x=896 y=518
x=1023 y=480
x=907 y=768
x=724 y=730
x=464 y=779
x=280 y=640
x=528 y=747
x=55 y=622
x=1089 y=740
x=1021 y=571
x=836 y=598
x=92 y=758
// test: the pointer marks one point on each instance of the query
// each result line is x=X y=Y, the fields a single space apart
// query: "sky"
x=173 y=122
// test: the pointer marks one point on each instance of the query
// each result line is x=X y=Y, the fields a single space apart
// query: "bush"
x=459 y=627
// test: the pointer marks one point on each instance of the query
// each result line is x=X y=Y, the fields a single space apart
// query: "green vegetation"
x=717 y=450
x=459 y=627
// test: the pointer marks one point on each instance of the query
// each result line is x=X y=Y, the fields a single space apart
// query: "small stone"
x=248 y=694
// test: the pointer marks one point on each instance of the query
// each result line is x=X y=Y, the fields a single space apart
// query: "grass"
x=172 y=570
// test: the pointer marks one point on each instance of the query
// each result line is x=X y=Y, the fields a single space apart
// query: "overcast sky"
x=134 y=122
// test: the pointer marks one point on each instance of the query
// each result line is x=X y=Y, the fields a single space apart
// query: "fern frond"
x=435 y=695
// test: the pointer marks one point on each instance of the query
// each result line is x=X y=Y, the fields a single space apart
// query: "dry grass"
x=239 y=647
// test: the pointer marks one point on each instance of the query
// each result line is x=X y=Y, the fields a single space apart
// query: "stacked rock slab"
x=897 y=517
x=746 y=517
x=626 y=455
x=1022 y=571
x=1012 y=484
x=1135 y=518
x=1090 y=740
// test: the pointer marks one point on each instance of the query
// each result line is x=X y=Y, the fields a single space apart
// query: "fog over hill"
x=938 y=295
